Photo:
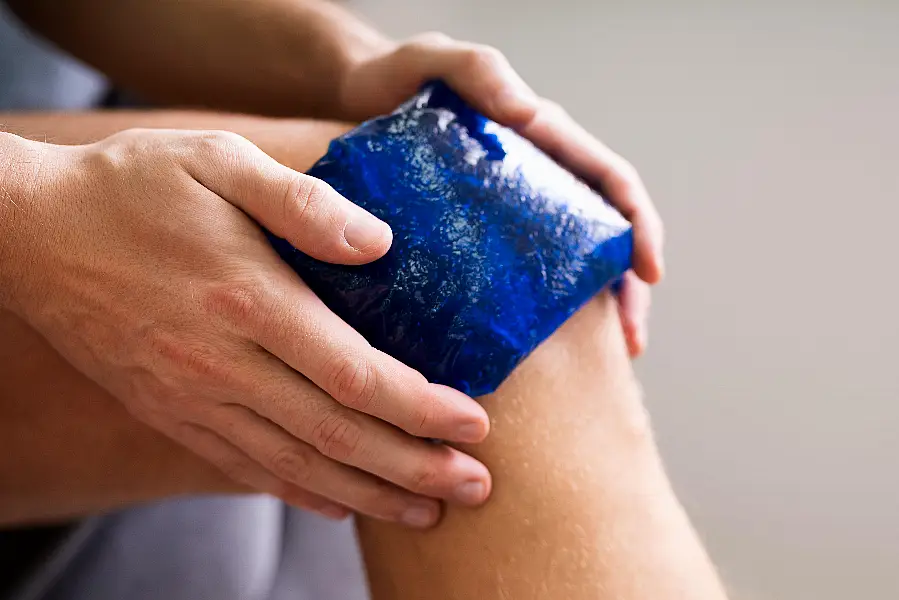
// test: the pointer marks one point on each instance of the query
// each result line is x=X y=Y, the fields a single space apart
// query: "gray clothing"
x=210 y=548
x=35 y=76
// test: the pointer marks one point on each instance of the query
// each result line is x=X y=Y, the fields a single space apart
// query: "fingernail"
x=419 y=517
x=335 y=512
x=364 y=231
x=471 y=433
x=471 y=492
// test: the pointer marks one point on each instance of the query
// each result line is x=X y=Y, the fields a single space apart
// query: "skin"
x=602 y=523
x=183 y=333
x=314 y=58
x=77 y=450
x=581 y=508
x=210 y=346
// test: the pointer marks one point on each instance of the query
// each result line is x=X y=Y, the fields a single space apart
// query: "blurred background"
x=768 y=133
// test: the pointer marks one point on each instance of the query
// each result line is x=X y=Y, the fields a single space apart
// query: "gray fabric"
x=199 y=548
x=249 y=548
x=36 y=76
x=321 y=561
x=210 y=548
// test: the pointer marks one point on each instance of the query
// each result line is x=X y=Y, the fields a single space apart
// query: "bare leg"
x=581 y=507
x=70 y=448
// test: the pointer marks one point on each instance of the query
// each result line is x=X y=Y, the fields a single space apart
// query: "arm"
x=581 y=507
x=266 y=56
x=310 y=57
x=296 y=143
x=68 y=447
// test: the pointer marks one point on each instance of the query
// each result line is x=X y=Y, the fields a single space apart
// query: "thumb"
x=305 y=211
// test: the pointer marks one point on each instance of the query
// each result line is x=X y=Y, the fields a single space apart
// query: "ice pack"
x=494 y=244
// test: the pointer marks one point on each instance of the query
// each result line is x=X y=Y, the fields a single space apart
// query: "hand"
x=136 y=259
x=486 y=80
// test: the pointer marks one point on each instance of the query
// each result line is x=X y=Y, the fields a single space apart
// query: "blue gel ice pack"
x=494 y=244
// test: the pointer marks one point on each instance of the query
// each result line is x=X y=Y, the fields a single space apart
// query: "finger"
x=281 y=314
x=239 y=467
x=304 y=210
x=634 y=302
x=485 y=79
x=480 y=74
x=361 y=441
x=557 y=134
x=300 y=464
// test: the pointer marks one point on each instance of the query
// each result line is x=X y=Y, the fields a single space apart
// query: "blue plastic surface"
x=494 y=244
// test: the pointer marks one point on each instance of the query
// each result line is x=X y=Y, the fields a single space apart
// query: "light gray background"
x=769 y=136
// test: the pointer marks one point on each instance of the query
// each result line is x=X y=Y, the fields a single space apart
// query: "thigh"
x=64 y=437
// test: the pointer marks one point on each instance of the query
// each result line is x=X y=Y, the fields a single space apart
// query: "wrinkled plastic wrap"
x=494 y=244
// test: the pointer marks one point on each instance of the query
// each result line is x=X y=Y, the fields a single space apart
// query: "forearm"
x=71 y=449
x=581 y=507
x=20 y=165
x=267 y=56
x=296 y=143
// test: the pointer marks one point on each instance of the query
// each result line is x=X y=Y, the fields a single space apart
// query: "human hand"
x=136 y=258
x=483 y=76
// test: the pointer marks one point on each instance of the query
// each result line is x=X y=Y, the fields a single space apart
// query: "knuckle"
x=196 y=361
x=420 y=420
x=113 y=154
x=423 y=479
x=239 y=301
x=222 y=147
x=337 y=437
x=627 y=171
x=353 y=381
x=432 y=39
x=553 y=109
x=292 y=464
x=203 y=363
x=217 y=140
x=380 y=499
x=485 y=58
x=423 y=420
x=304 y=200
x=235 y=468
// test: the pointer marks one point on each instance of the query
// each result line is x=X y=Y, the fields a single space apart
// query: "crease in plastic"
x=494 y=244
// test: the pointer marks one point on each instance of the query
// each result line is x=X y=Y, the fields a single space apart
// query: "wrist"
x=353 y=43
x=20 y=161
x=320 y=44
x=28 y=172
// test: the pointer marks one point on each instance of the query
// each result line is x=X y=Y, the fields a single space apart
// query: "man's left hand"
x=484 y=77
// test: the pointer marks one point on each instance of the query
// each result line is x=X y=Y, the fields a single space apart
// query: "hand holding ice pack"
x=494 y=244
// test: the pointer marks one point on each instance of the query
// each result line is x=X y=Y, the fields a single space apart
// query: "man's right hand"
x=137 y=257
